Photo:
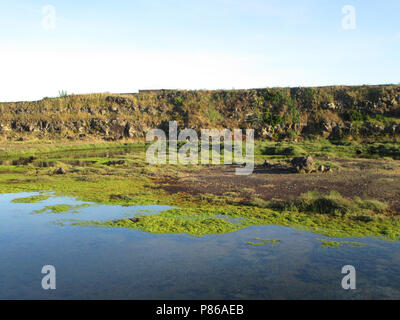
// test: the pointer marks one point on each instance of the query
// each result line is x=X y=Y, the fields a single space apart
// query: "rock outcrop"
x=274 y=113
x=303 y=164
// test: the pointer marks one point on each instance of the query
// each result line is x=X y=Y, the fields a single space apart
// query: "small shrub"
x=307 y=96
x=213 y=114
x=256 y=202
x=178 y=101
x=373 y=205
x=62 y=94
x=272 y=119
x=353 y=115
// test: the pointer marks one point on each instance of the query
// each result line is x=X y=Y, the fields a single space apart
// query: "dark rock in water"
x=303 y=164
x=60 y=171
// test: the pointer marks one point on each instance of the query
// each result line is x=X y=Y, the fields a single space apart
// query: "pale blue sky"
x=122 y=46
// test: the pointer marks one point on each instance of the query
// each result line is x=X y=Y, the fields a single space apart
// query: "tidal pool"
x=258 y=262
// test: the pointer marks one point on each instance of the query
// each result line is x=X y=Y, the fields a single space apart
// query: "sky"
x=123 y=46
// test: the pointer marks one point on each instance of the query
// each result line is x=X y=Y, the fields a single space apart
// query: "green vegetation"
x=134 y=182
x=31 y=199
x=212 y=113
x=205 y=219
x=117 y=173
x=333 y=244
x=61 y=208
x=332 y=204
x=359 y=118
x=261 y=242
x=287 y=150
x=128 y=116
x=354 y=115
x=281 y=102
x=272 y=119
x=385 y=150
x=172 y=221
x=62 y=94
x=328 y=149
x=307 y=96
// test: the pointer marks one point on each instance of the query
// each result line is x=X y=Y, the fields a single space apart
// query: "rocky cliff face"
x=360 y=112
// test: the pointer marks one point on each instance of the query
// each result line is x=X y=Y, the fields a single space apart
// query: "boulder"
x=129 y=130
x=303 y=164
x=60 y=171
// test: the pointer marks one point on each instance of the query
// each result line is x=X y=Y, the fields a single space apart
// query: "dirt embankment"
x=275 y=113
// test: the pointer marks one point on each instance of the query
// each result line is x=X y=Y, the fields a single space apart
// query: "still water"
x=116 y=263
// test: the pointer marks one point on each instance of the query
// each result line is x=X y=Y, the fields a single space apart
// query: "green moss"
x=209 y=219
x=31 y=199
x=333 y=244
x=139 y=183
x=171 y=223
x=61 y=208
x=261 y=242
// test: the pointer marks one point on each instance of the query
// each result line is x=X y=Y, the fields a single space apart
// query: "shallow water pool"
x=118 y=263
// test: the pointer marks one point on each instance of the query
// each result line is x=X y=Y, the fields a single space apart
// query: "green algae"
x=139 y=183
x=207 y=220
x=261 y=242
x=61 y=208
x=134 y=190
x=162 y=224
x=333 y=244
x=175 y=220
x=31 y=199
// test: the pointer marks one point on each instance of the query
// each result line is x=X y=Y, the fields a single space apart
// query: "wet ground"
x=374 y=179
